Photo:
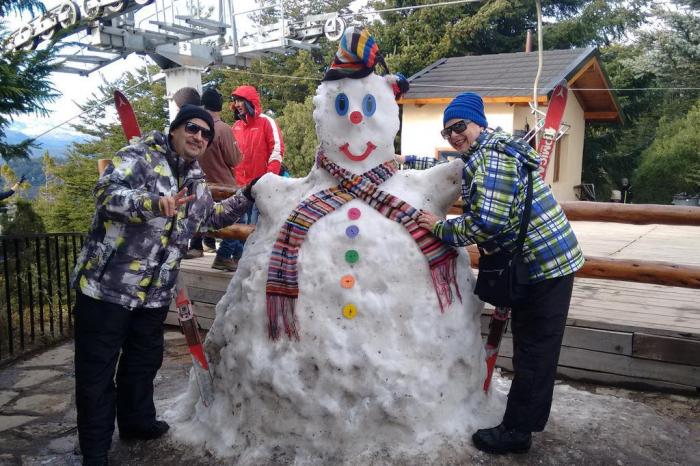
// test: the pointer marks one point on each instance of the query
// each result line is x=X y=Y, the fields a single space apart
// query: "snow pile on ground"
x=379 y=371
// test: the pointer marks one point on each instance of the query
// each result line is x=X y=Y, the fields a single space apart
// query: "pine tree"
x=24 y=75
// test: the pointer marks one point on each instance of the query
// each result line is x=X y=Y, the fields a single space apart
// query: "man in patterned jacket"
x=494 y=187
x=149 y=203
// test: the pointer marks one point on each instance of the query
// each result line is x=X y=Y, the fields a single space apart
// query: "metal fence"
x=37 y=300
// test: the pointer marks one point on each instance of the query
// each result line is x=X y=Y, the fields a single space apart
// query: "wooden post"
x=656 y=272
x=102 y=165
x=239 y=231
x=638 y=214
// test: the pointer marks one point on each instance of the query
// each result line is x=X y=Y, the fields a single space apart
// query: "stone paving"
x=590 y=424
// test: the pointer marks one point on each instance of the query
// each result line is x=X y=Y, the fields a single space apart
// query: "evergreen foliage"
x=671 y=164
x=300 y=139
x=26 y=87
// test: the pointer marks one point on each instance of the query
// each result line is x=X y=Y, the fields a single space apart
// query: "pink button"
x=354 y=213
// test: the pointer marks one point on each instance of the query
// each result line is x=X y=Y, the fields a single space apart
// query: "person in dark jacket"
x=12 y=190
x=149 y=203
x=218 y=163
x=494 y=187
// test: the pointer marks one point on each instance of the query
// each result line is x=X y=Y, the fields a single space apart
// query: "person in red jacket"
x=260 y=141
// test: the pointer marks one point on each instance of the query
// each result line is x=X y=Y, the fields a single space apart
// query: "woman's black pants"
x=538 y=330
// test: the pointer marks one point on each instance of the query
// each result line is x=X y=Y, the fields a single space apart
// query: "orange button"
x=349 y=311
x=347 y=281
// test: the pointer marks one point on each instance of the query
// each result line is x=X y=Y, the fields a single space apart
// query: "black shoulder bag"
x=503 y=276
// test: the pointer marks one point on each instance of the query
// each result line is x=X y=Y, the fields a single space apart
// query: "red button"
x=354 y=213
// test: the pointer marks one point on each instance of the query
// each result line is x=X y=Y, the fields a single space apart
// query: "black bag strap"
x=525 y=219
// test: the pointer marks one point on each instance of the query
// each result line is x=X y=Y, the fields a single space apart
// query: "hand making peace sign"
x=170 y=204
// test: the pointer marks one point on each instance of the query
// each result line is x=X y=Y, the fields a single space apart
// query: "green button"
x=352 y=256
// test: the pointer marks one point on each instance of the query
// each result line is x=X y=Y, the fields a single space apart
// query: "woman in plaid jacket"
x=494 y=187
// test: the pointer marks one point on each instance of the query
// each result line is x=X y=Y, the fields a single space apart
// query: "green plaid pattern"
x=493 y=191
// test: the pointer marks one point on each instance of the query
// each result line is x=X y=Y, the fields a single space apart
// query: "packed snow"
x=378 y=369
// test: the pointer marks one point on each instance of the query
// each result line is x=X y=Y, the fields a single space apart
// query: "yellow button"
x=347 y=281
x=349 y=311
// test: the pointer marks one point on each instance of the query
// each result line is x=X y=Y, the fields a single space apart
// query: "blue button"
x=352 y=231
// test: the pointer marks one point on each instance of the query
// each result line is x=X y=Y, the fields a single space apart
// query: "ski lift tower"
x=183 y=37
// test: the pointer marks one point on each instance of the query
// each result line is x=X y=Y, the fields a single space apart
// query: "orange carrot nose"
x=356 y=117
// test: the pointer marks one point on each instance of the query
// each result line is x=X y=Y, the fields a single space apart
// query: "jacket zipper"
x=170 y=233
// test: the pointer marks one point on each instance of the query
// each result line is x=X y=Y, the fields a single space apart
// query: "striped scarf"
x=282 y=287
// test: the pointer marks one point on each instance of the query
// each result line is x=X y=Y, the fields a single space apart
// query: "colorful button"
x=347 y=281
x=354 y=213
x=352 y=231
x=352 y=256
x=349 y=311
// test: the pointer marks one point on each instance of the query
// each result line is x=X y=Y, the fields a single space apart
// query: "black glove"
x=248 y=190
x=22 y=179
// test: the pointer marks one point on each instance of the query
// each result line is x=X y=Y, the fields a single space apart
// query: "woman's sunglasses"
x=192 y=128
x=458 y=127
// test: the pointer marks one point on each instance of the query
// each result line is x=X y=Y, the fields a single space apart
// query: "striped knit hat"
x=356 y=57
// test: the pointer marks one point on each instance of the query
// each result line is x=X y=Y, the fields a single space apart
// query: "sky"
x=75 y=89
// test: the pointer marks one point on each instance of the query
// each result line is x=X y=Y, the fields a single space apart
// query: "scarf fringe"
x=281 y=307
x=444 y=278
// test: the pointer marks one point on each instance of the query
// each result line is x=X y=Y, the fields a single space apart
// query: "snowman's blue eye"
x=342 y=104
x=369 y=105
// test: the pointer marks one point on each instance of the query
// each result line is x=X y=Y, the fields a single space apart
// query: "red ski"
x=188 y=322
x=127 y=117
x=552 y=121
x=497 y=327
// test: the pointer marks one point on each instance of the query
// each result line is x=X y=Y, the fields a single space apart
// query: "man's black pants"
x=538 y=330
x=101 y=330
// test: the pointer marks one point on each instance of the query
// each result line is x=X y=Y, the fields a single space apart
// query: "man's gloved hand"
x=22 y=179
x=248 y=190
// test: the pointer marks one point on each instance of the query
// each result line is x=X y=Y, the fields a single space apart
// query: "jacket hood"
x=515 y=147
x=250 y=94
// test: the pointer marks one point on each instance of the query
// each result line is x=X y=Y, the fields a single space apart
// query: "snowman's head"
x=357 y=121
x=355 y=110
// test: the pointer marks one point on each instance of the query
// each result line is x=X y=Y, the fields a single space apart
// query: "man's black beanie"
x=189 y=112
x=212 y=99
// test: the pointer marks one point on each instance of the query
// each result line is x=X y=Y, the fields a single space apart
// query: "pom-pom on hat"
x=188 y=112
x=467 y=106
x=356 y=57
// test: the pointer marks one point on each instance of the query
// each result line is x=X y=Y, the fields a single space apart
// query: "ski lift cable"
x=374 y=12
x=85 y=111
x=503 y=88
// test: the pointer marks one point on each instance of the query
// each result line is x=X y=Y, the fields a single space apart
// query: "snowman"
x=348 y=333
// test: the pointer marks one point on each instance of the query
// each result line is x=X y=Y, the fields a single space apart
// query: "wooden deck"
x=623 y=333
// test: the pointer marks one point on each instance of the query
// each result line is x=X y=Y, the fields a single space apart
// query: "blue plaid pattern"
x=493 y=191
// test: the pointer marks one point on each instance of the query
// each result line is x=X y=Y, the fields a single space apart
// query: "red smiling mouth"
x=345 y=149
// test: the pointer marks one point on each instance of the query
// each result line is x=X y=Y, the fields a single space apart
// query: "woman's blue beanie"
x=467 y=106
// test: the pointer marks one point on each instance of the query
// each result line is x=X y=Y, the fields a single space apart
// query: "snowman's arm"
x=445 y=183
x=493 y=198
x=272 y=193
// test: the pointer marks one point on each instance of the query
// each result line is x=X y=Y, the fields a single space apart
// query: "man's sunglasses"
x=458 y=127
x=192 y=128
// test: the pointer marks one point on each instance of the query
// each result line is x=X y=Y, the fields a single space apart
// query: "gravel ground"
x=590 y=424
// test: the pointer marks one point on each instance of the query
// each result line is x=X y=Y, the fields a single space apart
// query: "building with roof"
x=505 y=82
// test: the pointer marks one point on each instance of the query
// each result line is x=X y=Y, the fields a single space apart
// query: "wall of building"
x=421 y=125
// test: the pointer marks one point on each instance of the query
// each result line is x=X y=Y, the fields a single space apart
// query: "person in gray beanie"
x=498 y=169
x=149 y=202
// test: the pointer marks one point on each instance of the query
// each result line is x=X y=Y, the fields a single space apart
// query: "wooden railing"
x=656 y=272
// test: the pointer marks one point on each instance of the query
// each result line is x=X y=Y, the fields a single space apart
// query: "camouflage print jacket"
x=132 y=254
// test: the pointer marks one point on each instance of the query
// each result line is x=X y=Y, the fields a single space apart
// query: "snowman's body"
x=378 y=369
